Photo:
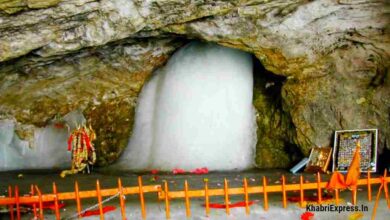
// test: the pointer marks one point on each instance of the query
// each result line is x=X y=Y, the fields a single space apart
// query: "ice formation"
x=196 y=112
x=50 y=146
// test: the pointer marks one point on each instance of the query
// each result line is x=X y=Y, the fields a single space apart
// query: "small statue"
x=82 y=149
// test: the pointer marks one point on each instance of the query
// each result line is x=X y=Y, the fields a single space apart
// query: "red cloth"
x=154 y=172
x=202 y=170
x=178 y=171
x=46 y=205
x=307 y=216
x=84 y=137
x=97 y=212
x=59 y=125
x=70 y=142
x=87 y=141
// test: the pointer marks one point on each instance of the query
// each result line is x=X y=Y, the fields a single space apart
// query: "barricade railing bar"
x=37 y=198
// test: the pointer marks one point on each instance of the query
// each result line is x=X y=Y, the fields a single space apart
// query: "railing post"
x=40 y=202
x=121 y=199
x=57 y=209
x=141 y=197
x=187 y=199
x=354 y=195
x=336 y=191
x=99 y=197
x=246 y=196
x=386 y=189
x=301 y=192
x=369 y=185
x=319 y=191
x=284 y=192
x=17 y=202
x=11 y=207
x=34 y=206
x=167 y=210
x=376 y=202
x=226 y=192
x=77 y=196
x=265 y=194
x=206 y=197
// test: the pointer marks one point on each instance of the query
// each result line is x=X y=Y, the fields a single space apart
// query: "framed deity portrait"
x=344 y=148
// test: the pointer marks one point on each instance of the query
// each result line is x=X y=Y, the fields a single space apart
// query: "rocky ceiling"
x=333 y=55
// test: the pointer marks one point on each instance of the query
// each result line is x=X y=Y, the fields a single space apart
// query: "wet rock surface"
x=59 y=56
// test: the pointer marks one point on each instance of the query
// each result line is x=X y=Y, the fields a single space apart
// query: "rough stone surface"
x=13 y=6
x=103 y=83
x=275 y=132
x=77 y=54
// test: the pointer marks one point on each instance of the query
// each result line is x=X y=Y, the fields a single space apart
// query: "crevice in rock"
x=275 y=146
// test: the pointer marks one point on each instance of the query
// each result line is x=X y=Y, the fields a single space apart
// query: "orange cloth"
x=353 y=174
x=337 y=180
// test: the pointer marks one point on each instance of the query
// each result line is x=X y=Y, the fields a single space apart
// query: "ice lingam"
x=196 y=111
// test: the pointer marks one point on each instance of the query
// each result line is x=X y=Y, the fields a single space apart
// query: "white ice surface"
x=196 y=112
x=50 y=146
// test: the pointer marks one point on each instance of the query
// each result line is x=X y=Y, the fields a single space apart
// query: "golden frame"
x=319 y=159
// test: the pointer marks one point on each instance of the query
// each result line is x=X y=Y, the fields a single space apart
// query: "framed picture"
x=345 y=145
x=319 y=159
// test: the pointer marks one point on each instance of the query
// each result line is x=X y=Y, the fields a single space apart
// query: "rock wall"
x=95 y=56
x=102 y=82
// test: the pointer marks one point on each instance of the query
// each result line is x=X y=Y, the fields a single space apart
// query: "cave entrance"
x=275 y=130
x=207 y=108
x=196 y=112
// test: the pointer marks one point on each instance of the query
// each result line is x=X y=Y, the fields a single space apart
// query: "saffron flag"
x=353 y=173
x=337 y=180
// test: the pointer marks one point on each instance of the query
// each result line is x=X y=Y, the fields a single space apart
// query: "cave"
x=261 y=145
x=297 y=72
x=268 y=132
